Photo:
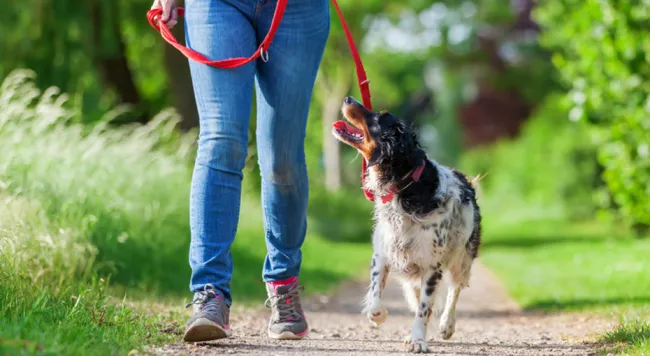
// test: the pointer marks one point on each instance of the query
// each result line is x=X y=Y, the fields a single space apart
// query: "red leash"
x=262 y=51
x=364 y=88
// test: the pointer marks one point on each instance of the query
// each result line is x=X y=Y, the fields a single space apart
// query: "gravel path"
x=488 y=323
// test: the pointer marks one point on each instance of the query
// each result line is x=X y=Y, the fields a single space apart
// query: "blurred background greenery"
x=549 y=101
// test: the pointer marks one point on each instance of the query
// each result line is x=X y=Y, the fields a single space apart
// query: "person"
x=283 y=84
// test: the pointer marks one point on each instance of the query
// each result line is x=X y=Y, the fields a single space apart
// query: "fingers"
x=169 y=13
x=173 y=20
x=156 y=5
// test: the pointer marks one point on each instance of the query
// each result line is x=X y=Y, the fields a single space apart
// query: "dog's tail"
x=474 y=183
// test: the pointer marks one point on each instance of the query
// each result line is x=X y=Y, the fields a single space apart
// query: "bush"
x=601 y=51
x=549 y=171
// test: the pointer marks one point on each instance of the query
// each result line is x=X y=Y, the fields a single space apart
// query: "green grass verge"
x=79 y=204
x=556 y=266
x=76 y=321
x=631 y=337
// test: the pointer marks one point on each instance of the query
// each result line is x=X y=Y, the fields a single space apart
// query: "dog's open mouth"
x=347 y=133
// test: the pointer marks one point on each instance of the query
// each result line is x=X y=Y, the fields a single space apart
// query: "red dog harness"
x=262 y=52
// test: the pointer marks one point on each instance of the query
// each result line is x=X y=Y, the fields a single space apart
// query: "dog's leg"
x=460 y=274
x=379 y=270
x=448 y=318
x=418 y=340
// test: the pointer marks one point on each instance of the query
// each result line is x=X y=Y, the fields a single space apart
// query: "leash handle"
x=262 y=50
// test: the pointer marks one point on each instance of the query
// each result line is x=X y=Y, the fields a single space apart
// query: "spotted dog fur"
x=431 y=227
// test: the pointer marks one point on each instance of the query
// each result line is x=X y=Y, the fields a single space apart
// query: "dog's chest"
x=413 y=246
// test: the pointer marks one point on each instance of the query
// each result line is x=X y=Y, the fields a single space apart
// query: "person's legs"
x=219 y=30
x=284 y=88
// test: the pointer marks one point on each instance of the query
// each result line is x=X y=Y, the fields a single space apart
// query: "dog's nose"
x=348 y=100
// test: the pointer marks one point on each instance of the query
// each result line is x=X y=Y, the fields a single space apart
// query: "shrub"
x=601 y=51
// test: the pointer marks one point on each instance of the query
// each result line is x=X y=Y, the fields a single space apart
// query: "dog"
x=427 y=220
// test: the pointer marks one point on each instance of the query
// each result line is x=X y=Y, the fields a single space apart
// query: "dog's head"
x=383 y=139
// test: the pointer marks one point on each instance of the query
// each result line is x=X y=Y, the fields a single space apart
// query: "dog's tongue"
x=364 y=167
x=340 y=125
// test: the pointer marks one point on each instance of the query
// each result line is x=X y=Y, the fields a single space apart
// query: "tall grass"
x=115 y=197
x=75 y=205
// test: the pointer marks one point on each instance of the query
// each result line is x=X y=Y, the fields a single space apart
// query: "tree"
x=89 y=49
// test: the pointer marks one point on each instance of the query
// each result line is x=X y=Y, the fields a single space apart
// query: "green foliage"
x=349 y=208
x=64 y=41
x=549 y=171
x=105 y=185
x=601 y=50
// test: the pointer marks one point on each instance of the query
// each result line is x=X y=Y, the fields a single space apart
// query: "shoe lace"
x=286 y=304
x=208 y=299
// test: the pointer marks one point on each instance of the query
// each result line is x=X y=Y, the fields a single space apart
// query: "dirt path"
x=488 y=323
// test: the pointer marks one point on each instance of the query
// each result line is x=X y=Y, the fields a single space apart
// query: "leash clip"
x=262 y=52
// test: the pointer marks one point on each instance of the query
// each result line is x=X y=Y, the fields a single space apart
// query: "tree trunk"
x=331 y=146
x=180 y=82
x=109 y=55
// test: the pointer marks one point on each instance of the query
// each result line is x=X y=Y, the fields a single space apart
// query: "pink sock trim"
x=285 y=282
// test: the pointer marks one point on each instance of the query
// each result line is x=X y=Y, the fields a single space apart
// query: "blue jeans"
x=283 y=86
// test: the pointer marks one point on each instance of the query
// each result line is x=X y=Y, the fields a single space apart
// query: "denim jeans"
x=283 y=87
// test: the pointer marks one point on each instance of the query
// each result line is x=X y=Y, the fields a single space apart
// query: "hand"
x=169 y=14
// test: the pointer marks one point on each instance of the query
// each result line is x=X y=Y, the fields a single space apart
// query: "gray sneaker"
x=287 y=318
x=209 y=321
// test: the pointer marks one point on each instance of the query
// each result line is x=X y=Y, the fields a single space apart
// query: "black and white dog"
x=427 y=221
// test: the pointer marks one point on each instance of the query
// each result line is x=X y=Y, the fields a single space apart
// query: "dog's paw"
x=377 y=316
x=417 y=346
x=447 y=328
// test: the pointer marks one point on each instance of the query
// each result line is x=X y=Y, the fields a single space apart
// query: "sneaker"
x=287 y=318
x=209 y=320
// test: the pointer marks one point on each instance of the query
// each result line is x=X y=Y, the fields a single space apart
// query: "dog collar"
x=414 y=175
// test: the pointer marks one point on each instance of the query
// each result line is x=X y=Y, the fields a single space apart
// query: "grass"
x=82 y=206
x=558 y=266
x=632 y=337
x=72 y=321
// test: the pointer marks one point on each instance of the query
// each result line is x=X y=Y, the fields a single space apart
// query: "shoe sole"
x=287 y=335
x=203 y=329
